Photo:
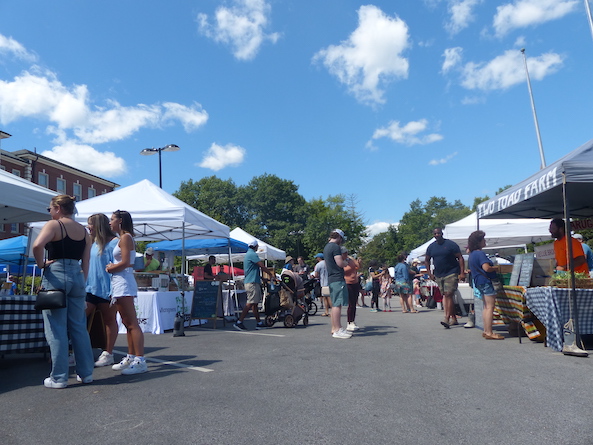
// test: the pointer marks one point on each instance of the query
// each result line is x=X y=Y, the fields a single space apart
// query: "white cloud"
x=190 y=117
x=452 y=58
x=408 y=134
x=442 y=160
x=524 y=13
x=219 y=157
x=461 y=14
x=240 y=26
x=372 y=55
x=88 y=159
x=378 y=227
x=10 y=46
x=507 y=70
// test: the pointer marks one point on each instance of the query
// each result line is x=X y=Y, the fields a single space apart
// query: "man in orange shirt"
x=561 y=248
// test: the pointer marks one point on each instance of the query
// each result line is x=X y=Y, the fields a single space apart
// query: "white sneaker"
x=341 y=333
x=352 y=327
x=51 y=383
x=138 y=366
x=86 y=380
x=105 y=359
x=125 y=363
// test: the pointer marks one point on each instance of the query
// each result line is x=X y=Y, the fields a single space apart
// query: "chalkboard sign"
x=514 y=281
x=205 y=300
x=526 y=270
x=522 y=270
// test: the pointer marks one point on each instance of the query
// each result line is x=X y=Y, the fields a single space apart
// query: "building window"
x=43 y=180
x=16 y=172
x=14 y=228
x=77 y=191
x=61 y=186
x=91 y=192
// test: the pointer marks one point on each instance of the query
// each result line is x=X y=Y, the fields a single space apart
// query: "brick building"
x=53 y=175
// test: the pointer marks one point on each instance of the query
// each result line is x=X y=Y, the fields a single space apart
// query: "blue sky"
x=389 y=101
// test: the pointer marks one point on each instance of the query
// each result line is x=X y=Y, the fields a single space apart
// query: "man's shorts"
x=325 y=291
x=448 y=284
x=253 y=291
x=338 y=293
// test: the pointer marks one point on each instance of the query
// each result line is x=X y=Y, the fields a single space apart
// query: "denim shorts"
x=486 y=289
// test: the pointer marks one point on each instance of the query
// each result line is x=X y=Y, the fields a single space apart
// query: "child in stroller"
x=312 y=289
x=284 y=301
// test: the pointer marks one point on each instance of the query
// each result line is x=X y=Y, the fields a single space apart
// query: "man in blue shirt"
x=587 y=250
x=252 y=265
x=449 y=268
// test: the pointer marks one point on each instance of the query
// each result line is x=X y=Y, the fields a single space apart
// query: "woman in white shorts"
x=124 y=290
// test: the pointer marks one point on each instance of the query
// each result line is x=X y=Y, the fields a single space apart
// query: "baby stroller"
x=310 y=286
x=282 y=302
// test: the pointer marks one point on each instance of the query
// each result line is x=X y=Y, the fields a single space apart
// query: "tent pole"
x=573 y=322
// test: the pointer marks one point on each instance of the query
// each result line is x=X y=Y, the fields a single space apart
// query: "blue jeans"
x=59 y=323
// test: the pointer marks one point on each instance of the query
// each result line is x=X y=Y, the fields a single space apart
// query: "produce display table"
x=551 y=306
x=21 y=326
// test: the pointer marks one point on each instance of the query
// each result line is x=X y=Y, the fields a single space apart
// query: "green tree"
x=383 y=248
x=217 y=198
x=274 y=208
x=416 y=225
x=335 y=212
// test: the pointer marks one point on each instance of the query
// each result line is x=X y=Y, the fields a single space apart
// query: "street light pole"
x=539 y=138
x=151 y=151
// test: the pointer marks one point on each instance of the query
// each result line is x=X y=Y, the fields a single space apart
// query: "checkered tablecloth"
x=21 y=326
x=551 y=306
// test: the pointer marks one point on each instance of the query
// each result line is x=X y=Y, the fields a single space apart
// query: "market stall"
x=561 y=190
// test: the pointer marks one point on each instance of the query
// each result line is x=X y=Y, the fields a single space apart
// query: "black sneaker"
x=239 y=326
x=260 y=325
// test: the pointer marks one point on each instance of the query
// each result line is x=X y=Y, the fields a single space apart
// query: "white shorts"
x=123 y=284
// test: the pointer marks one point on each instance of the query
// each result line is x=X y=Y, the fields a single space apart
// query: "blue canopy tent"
x=201 y=246
x=13 y=256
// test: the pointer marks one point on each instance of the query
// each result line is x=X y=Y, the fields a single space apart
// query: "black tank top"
x=66 y=248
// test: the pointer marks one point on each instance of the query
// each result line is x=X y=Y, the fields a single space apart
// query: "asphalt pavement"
x=402 y=379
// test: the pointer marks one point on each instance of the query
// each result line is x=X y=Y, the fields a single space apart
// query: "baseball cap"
x=319 y=255
x=253 y=243
x=341 y=233
x=577 y=236
x=149 y=251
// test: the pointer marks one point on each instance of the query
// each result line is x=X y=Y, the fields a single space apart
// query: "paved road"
x=404 y=379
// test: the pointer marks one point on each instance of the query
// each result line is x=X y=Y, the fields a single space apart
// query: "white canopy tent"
x=499 y=232
x=21 y=200
x=157 y=215
x=265 y=251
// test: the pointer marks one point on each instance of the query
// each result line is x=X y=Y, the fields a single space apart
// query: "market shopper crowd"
x=94 y=268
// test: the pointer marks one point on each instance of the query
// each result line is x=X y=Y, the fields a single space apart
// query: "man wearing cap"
x=337 y=285
x=320 y=272
x=252 y=265
x=587 y=250
x=150 y=263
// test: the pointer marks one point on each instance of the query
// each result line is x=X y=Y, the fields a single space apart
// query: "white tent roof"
x=499 y=232
x=157 y=215
x=265 y=250
x=22 y=200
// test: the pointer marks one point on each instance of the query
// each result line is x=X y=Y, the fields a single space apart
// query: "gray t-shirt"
x=321 y=273
x=334 y=272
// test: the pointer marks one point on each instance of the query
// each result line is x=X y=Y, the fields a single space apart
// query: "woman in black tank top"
x=66 y=267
